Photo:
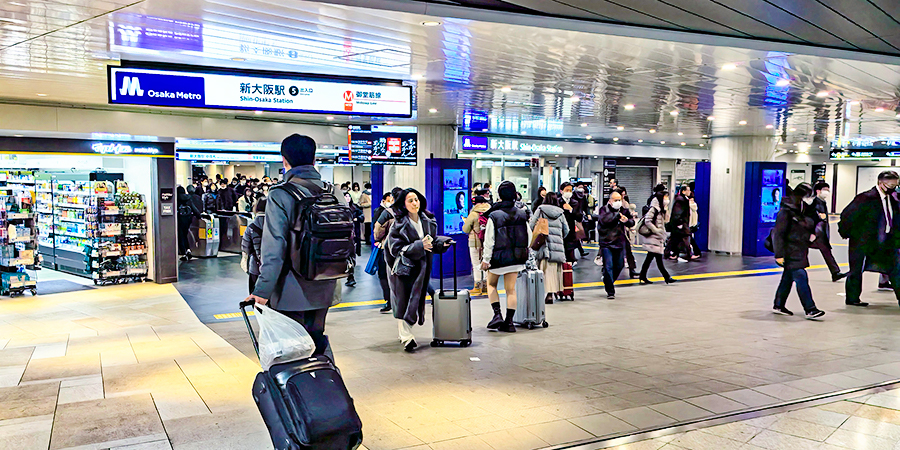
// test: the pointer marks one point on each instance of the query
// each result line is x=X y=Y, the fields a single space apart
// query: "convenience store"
x=98 y=206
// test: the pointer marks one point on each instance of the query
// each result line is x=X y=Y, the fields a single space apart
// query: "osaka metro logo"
x=348 y=100
x=131 y=86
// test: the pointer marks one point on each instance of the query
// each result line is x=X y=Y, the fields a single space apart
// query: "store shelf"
x=69 y=219
x=28 y=238
x=135 y=232
x=135 y=212
x=75 y=193
x=43 y=191
x=19 y=216
x=71 y=206
x=74 y=235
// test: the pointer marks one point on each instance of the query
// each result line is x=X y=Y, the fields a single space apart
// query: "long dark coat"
x=863 y=222
x=791 y=235
x=408 y=292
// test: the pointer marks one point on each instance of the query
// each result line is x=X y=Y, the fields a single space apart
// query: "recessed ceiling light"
x=583 y=124
x=879 y=109
x=822 y=94
x=327 y=118
x=558 y=135
x=854 y=102
x=389 y=123
x=705 y=135
x=238 y=59
x=506 y=89
x=783 y=82
x=770 y=126
x=821 y=146
x=576 y=99
x=588 y=137
x=616 y=139
x=41 y=95
x=18 y=135
x=662 y=142
x=629 y=107
x=795 y=145
x=792 y=129
x=432 y=110
x=729 y=67
x=680 y=133
x=711 y=118
x=431 y=23
x=701 y=145
x=620 y=128
x=652 y=130
x=418 y=76
x=595 y=156
x=524 y=132
x=812 y=132
x=260 y=112
x=684 y=143
x=640 y=140
x=743 y=122
x=673 y=113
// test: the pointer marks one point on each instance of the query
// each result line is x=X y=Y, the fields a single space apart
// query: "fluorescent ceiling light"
x=506 y=89
x=783 y=82
x=652 y=130
x=629 y=107
x=729 y=67
x=673 y=113
x=432 y=110
x=743 y=122
x=431 y=23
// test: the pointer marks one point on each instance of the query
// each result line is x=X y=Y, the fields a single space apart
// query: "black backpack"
x=321 y=244
x=185 y=210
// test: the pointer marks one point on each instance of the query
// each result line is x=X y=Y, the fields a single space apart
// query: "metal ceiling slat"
x=814 y=12
x=889 y=7
x=682 y=16
x=617 y=10
x=749 y=24
x=866 y=16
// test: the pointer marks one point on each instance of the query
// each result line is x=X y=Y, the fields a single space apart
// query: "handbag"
x=540 y=233
x=372 y=265
x=441 y=244
x=579 y=231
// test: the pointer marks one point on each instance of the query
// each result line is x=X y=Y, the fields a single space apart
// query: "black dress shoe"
x=386 y=309
x=646 y=281
x=411 y=346
x=670 y=280
x=839 y=276
x=857 y=303
x=507 y=328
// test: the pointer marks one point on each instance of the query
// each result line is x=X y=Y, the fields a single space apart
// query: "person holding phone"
x=409 y=255
x=612 y=220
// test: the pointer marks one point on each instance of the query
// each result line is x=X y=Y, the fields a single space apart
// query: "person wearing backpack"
x=251 y=242
x=209 y=199
x=474 y=226
x=186 y=213
x=381 y=227
x=291 y=280
x=652 y=228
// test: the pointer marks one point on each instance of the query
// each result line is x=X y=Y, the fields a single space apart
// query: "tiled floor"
x=858 y=424
x=126 y=367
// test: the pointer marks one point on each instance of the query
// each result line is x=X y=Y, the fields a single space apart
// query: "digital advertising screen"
x=456 y=200
x=383 y=144
x=772 y=191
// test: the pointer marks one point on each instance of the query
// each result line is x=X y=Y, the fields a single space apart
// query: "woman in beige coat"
x=472 y=226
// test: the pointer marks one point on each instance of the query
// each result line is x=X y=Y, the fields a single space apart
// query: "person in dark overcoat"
x=793 y=233
x=870 y=222
x=410 y=244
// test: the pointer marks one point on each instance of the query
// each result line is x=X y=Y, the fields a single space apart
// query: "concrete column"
x=437 y=139
x=728 y=158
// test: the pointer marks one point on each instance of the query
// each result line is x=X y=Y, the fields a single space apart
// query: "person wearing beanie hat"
x=473 y=227
x=304 y=301
x=506 y=239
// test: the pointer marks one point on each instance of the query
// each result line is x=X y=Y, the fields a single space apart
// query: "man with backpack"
x=296 y=278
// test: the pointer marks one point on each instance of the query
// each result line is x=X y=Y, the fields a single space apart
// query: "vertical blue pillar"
x=701 y=197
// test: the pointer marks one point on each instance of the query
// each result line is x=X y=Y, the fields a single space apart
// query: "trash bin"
x=232 y=225
x=206 y=231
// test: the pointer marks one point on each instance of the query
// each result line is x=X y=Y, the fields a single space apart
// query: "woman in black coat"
x=793 y=233
x=186 y=213
x=409 y=257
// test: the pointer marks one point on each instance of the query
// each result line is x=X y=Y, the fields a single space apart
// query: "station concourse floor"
x=139 y=367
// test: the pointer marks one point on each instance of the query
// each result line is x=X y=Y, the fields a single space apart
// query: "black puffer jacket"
x=790 y=238
x=510 y=235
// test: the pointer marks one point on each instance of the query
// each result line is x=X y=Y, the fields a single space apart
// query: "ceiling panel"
x=620 y=11
x=866 y=16
x=727 y=16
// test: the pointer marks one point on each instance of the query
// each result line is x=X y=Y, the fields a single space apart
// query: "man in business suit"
x=871 y=223
x=819 y=213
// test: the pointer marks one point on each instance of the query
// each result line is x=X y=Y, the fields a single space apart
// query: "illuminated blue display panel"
x=764 y=187
x=448 y=188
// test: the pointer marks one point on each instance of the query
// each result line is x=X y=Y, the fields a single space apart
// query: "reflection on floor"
x=871 y=422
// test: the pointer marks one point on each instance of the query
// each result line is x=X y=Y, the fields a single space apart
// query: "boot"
x=549 y=299
x=633 y=273
x=498 y=317
x=644 y=280
x=477 y=289
x=507 y=325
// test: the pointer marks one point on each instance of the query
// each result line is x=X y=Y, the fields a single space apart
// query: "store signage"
x=865 y=142
x=200 y=87
x=474 y=143
x=12 y=144
x=119 y=148
x=864 y=154
x=227 y=156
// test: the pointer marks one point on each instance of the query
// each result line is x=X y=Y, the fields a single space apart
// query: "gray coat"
x=251 y=243
x=655 y=220
x=281 y=286
x=554 y=249
x=408 y=292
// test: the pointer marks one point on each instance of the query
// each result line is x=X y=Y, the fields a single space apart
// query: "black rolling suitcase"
x=305 y=403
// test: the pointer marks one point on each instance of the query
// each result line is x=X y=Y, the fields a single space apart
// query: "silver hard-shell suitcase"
x=530 y=307
x=451 y=311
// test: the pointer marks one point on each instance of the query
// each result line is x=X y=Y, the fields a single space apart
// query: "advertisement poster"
x=772 y=191
x=456 y=200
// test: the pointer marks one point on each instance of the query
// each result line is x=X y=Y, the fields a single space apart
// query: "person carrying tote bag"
x=551 y=253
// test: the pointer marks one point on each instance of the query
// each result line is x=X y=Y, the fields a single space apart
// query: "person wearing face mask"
x=384 y=218
x=612 y=220
x=573 y=214
x=819 y=213
x=870 y=222
x=655 y=242
x=679 y=226
x=791 y=238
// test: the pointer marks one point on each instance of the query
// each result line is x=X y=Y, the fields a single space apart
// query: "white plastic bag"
x=281 y=339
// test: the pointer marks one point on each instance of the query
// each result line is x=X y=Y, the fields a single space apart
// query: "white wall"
x=845 y=190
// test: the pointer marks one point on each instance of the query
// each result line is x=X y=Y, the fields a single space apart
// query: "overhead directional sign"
x=204 y=87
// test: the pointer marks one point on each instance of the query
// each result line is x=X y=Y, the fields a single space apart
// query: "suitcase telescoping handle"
x=244 y=306
x=452 y=251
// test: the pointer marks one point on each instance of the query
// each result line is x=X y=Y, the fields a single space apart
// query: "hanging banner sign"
x=200 y=87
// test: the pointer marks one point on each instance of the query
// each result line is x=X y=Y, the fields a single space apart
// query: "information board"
x=383 y=144
x=456 y=200
x=771 y=193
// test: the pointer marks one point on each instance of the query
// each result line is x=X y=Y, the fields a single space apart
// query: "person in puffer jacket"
x=252 y=241
x=552 y=254
x=472 y=226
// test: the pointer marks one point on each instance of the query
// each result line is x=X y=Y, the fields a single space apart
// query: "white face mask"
x=808 y=200
x=616 y=204
x=825 y=195
x=566 y=195
x=580 y=190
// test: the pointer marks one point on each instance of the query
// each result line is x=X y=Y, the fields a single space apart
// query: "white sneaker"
x=682 y=260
